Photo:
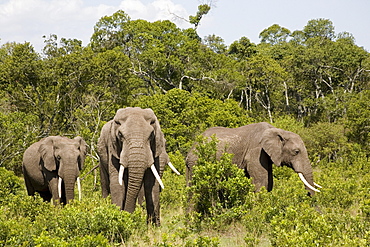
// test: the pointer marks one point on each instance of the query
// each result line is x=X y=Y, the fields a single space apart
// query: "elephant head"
x=66 y=156
x=287 y=148
x=137 y=141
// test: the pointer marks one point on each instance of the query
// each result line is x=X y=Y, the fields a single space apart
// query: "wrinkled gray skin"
x=133 y=139
x=47 y=160
x=255 y=148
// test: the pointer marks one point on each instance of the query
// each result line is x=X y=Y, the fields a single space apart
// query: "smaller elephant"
x=52 y=166
x=256 y=147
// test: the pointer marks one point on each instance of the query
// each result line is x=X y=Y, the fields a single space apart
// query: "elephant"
x=52 y=166
x=132 y=153
x=256 y=147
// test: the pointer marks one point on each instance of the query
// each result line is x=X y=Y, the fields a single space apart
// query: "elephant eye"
x=152 y=122
x=58 y=157
x=117 y=122
x=120 y=135
x=296 y=151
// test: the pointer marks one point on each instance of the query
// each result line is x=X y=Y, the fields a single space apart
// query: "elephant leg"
x=191 y=160
x=29 y=186
x=141 y=196
x=189 y=174
x=117 y=191
x=259 y=168
x=46 y=195
x=53 y=190
x=104 y=180
x=151 y=188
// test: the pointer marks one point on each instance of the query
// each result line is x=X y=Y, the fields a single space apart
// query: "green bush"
x=9 y=184
x=172 y=195
x=18 y=131
x=85 y=241
x=220 y=192
x=302 y=225
x=32 y=222
x=83 y=218
x=337 y=216
x=325 y=141
x=184 y=115
x=358 y=120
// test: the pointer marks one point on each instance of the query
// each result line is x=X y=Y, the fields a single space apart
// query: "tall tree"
x=242 y=49
x=203 y=9
x=322 y=28
x=274 y=34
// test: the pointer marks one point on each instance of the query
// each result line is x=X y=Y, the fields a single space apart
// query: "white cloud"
x=29 y=20
x=156 y=10
x=135 y=7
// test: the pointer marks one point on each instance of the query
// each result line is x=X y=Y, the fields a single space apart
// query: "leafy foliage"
x=218 y=187
x=30 y=221
x=18 y=131
x=9 y=184
x=183 y=115
x=358 y=121
x=312 y=81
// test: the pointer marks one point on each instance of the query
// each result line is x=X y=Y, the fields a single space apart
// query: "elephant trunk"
x=138 y=161
x=135 y=180
x=306 y=175
x=69 y=177
x=69 y=183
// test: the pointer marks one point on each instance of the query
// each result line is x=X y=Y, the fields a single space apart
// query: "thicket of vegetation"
x=313 y=81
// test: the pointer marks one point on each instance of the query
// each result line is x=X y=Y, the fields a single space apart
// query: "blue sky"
x=29 y=20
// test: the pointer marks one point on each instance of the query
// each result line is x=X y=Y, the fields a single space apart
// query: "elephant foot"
x=154 y=221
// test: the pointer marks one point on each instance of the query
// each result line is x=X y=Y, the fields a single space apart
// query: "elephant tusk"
x=79 y=188
x=156 y=175
x=120 y=174
x=306 y=183
x=173 y=168
x=317 y=185
x=60 y=187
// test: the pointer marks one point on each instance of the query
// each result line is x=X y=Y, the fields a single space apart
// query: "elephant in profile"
x=52 y=166
x=132 y=154
x=256 y=147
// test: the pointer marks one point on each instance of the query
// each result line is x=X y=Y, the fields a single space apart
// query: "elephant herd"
x=132 y=152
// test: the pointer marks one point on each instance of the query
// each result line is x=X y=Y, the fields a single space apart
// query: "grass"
x=338 y=216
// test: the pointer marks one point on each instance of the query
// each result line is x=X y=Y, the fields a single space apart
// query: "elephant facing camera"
x=51 y=167
x=133 y=156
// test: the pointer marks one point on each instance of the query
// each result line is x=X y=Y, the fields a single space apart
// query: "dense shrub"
x=17 y=130
x=184 y=115
x=173 y=194
x=219 y=189
x=358 y=121
x=9 y=184
x=82 y=219
x=32 y=222
x=325 y=141
x=337 y=216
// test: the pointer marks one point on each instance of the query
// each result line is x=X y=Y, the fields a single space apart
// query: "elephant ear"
x=83 y=151
x=159 y=139
x=46 y=151
x=115 y=124
x=272 y=143
x=115 y=143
